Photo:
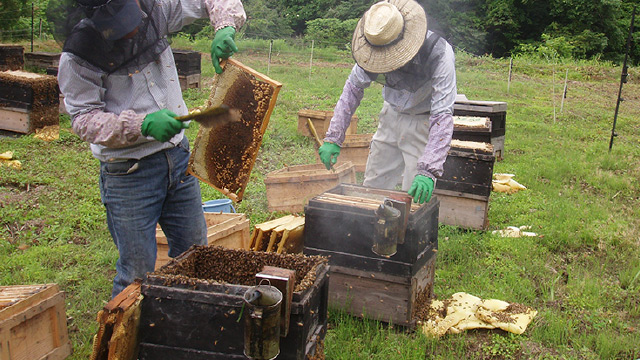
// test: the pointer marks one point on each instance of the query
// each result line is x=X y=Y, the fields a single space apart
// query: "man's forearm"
x=344 y=110
x=435 y=153
x=108 y=129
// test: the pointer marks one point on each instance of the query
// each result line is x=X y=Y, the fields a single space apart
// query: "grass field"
x=582 y=271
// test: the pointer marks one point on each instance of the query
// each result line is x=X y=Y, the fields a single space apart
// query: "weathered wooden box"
x=28 y=101
x=496 y=111
x=33 y=323
x=11 y=57
x=189 y=81
x=465 y=185
x=290 y=188
x=355 y=149
x=230 y=230
x=340 y=224
x=188 y=62
x=193 y=307
x=320 y=120
x=42 y=60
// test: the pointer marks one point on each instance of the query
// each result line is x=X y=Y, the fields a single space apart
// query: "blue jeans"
x=138 y=194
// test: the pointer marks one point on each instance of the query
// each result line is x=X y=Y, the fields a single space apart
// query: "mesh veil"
x=125 y=56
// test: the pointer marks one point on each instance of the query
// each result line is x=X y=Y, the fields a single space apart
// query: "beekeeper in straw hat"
x=391 y=45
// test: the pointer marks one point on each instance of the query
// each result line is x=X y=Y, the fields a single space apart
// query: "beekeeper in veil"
x=120 y=85
x=392 y=45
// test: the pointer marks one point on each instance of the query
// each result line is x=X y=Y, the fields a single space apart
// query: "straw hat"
x=389 y=35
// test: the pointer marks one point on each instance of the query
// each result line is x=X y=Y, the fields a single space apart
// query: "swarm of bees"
x=237 y=266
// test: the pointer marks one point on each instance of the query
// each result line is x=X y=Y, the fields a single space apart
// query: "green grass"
x=582 y=273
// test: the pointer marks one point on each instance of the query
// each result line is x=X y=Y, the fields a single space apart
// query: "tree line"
x=579 y=29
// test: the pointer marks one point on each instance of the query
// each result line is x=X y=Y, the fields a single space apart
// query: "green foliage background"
x=580 y=29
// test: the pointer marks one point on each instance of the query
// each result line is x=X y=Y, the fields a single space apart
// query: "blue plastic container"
x=218 y=205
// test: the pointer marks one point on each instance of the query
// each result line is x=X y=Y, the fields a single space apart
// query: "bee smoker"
x=386 y=229
x=262 y=322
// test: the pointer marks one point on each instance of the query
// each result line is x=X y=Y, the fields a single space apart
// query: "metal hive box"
x=224 y=155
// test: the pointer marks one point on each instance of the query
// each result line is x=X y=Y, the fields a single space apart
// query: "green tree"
x=11 y=11
x=332 y=31
x=458 y=21
x=264 y=21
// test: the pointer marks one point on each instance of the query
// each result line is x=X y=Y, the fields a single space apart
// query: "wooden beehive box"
x=189 y=81
x=320 y=120
x=42 y=60
x=465 y=185
x=11 y=57
x=290 y=188
x=188 y=62
x=33 y=323
x=340 y=224
x=193 y=307
x=355 y=149
x=28 y=101
x=224 y=155
x=282 y=235
x=496 y=111
x=230 y=230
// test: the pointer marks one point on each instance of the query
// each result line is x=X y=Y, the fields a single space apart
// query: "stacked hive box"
x=28 y=101
x=193 y=307
x=11 y=57
x=42 y=60
x=496 y=111
x=472 y=128
x=189 y=68
x=363 y=283
x=465 y=185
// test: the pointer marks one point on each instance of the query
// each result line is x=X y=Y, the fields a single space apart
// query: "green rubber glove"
x=329 y=154
x=223 y=46
x=421 y=189
x=162 y=125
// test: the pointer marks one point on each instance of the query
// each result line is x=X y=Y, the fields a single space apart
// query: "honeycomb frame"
x=223 y=155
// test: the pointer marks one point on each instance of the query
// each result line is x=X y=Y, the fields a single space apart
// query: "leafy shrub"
x=331 y=32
